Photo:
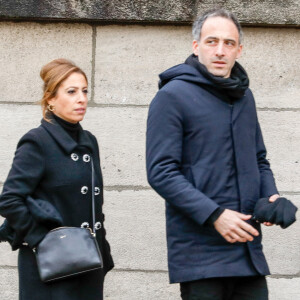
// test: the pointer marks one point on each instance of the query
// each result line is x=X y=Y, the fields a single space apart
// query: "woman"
x=53 y=163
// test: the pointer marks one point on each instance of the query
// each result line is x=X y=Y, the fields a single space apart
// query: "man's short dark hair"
x=197 y=26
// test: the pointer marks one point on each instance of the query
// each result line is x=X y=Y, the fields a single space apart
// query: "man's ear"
x=195 y=47
x=239 y=51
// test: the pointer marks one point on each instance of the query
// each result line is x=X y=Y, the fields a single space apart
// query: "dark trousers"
x=231 y=288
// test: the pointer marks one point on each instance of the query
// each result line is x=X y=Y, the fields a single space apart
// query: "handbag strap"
x=93 y=196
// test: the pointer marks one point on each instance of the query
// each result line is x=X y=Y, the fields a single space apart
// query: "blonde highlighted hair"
x=53 y=74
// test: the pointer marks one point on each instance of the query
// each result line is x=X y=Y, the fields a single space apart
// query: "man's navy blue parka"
x=194 y=143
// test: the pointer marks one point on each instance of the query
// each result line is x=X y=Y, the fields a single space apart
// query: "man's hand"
x=233 y=228
x=273 y=198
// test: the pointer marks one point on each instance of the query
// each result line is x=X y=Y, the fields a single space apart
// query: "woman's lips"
x=80 y=110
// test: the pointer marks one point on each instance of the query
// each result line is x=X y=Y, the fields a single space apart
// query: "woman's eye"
x=85 y=91
x=71 y=91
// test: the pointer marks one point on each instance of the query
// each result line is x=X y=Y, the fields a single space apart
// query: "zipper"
x=62 y=227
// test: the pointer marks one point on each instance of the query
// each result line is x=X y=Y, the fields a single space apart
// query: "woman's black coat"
x=194 y=141
x=50 y=165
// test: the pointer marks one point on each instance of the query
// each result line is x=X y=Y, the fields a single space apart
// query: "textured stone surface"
x=284 y=288
x=271 y=58
x=281 y=131
x=121 y=137
x=9 y=289
x=26 y=47
x=135 y=224
x=281 y=246
x=129 y=59
x=15 y=122
x=126 y=285
x=249 y=12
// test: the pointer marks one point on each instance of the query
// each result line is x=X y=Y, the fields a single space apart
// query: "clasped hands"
x=233 y=228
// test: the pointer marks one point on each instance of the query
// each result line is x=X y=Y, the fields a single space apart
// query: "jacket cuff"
x=268 y=191
x=214 y=216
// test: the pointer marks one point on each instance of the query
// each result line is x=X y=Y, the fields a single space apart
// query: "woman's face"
x=70 y=101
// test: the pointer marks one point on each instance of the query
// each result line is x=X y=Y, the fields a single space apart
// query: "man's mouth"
x=219 y=63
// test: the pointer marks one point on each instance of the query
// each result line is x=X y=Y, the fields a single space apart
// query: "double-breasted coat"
x=203 y=153
x=50 y=165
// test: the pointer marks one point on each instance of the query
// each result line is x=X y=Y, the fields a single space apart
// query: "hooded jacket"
x=204 y=153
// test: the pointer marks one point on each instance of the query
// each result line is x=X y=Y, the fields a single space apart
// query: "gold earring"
x=50 y=107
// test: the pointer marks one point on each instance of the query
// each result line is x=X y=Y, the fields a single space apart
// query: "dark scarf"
x=71 y=128
x=227 y=89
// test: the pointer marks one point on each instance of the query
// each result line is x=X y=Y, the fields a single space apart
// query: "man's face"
x=219 y=46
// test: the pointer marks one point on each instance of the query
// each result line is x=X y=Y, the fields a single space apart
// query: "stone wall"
x=122 y=63
x=271 y=12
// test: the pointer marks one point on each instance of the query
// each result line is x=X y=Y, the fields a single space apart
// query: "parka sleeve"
x=23 y=178
x=267 y=182
x=164 y=160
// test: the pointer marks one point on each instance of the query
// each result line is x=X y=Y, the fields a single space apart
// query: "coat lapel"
x=63 y=138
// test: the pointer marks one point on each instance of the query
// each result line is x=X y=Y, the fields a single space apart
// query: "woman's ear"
x=51 y=101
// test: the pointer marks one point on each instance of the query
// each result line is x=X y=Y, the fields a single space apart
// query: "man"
x=206 y=157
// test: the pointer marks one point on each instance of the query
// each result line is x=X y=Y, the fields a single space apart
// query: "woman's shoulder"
x=35 y=135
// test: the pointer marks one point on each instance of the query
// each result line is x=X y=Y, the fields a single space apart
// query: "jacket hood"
x=182 y=72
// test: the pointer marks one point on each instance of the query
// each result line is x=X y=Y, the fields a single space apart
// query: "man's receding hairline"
x=210 y=17
x=222 y=13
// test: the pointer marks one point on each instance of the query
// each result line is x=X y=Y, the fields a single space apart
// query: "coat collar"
x=63 y=138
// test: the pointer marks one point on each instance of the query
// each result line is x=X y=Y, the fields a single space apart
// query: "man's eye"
x=230 y=43
x=211 y=42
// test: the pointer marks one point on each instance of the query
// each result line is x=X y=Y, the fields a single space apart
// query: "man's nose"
x=220 y=49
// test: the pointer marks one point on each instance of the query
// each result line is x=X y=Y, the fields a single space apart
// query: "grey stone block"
x=135 y=224
x=9 y=289
x=121 y=137
x=284 y=288
x=281 y=131
x=281 y=246
x=274 y=76
x=126 y=285
x=249 y=12
x=15 y=122
x=129 y=59
x=26 y=47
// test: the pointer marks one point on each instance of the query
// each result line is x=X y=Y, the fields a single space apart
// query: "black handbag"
x=68 y=251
